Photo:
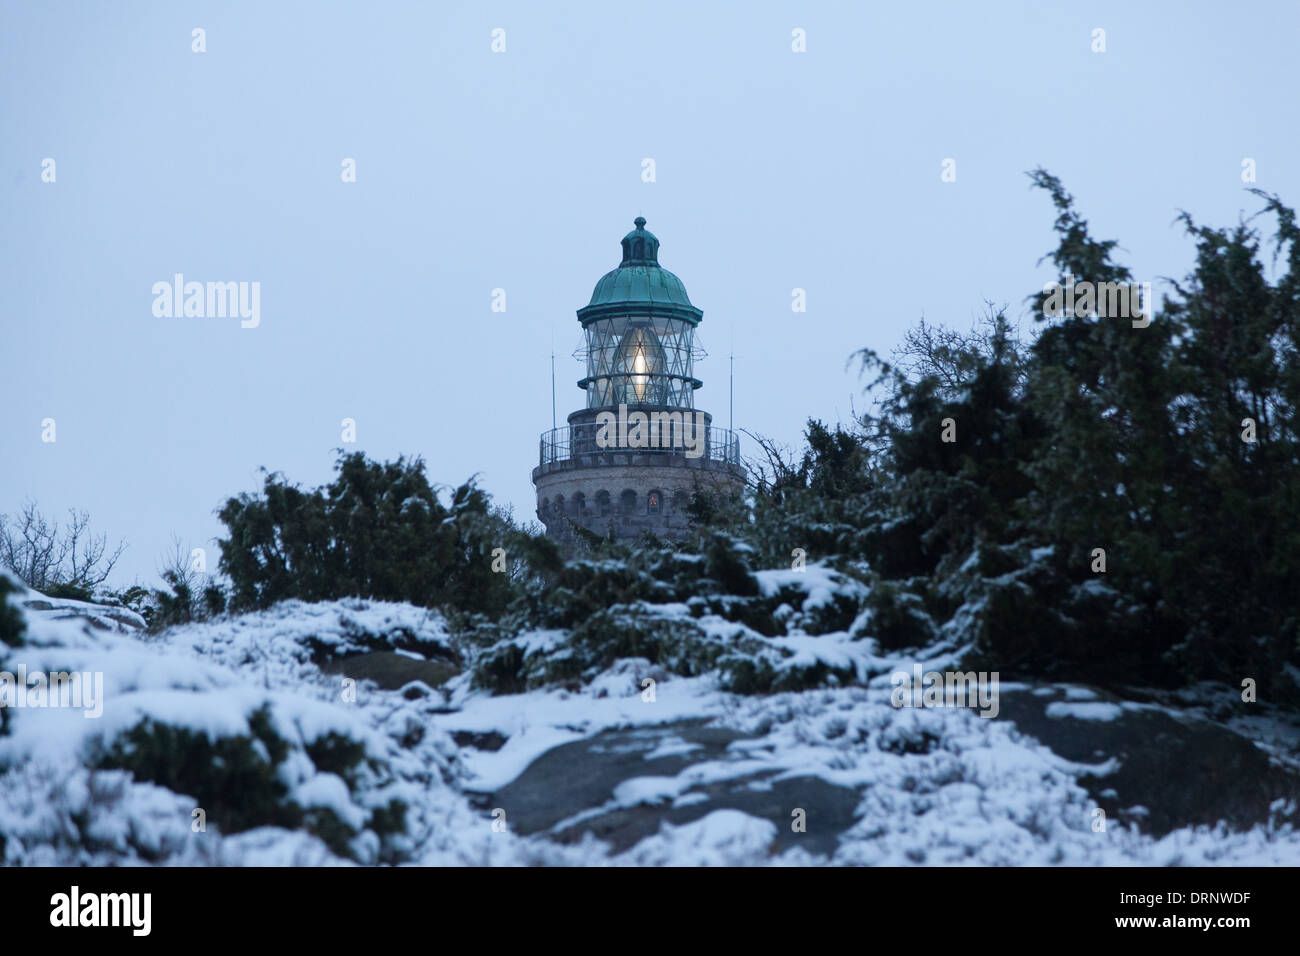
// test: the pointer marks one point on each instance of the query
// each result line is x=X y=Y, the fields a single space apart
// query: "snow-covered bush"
x=232 y=718
x=275 y=766
x=687 y=613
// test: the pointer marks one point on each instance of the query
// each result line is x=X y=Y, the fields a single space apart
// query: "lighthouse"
x=638 y=452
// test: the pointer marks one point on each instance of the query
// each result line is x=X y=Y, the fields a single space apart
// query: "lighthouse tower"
x=632 y=459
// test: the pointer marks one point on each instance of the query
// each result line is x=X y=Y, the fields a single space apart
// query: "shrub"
x=239 y=780
x=234 y=778
x=377 y=531
x=12 y=624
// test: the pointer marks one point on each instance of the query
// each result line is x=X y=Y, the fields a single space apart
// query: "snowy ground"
x=933 y=786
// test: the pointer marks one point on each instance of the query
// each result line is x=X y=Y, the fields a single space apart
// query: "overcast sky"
x=521 y=170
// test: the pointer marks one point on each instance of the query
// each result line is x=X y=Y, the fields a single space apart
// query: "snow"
x=104 y=617
x=543 y=719
x=295 y=630
x=722 y=838
x=935 y=786
x=838 y=651
x=1096 y=710
x=1079 y=693
x=672 y=746
x=329 y=791
x=639 y=790
x=820 y=583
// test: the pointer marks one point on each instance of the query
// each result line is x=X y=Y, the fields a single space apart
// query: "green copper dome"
x=640 y=285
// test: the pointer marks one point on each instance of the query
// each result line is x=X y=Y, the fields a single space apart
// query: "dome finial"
x=640 y=247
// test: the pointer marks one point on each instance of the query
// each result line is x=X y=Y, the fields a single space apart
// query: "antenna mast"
x=731 y=402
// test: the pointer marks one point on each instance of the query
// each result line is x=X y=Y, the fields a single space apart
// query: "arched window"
x=679 y=502
x=545 y=509
x=654 y=502
x=603 y=503
x=559 y=504
x=638 y=249
x=627 y=502
x=579 y=504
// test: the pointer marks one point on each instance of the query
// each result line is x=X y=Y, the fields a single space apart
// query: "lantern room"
x=640 y=332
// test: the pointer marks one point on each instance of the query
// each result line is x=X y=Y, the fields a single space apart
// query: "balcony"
x=578 y=442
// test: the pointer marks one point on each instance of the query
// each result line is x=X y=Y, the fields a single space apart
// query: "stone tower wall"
x=578 y=485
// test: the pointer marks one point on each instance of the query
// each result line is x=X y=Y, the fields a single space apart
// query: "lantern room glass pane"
x=640 y=360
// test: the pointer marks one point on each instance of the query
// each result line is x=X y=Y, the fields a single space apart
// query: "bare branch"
x=45 y=557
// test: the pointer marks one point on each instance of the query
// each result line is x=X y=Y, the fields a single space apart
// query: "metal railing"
x=572 y=441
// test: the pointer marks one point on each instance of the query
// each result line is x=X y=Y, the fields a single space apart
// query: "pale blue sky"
x=522 y=170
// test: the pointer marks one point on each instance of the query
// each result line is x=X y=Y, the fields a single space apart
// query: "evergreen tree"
x=379 y=530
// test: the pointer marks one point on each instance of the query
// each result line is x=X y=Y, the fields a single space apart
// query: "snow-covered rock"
x=243 y=720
